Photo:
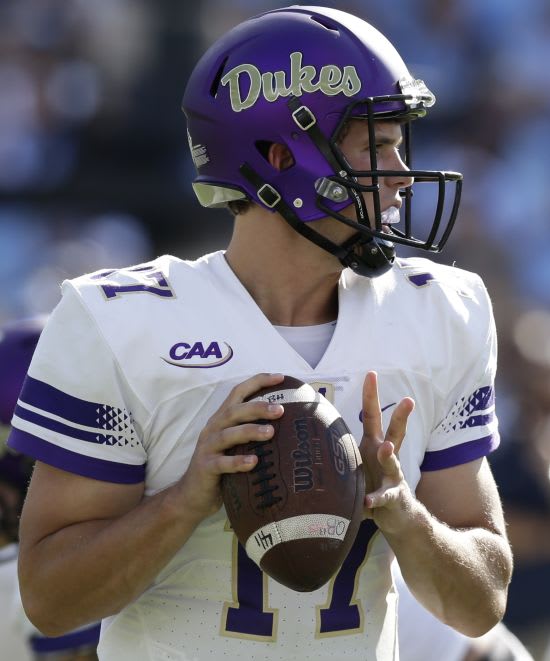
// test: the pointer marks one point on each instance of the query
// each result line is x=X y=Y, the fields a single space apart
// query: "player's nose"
x=404 y=180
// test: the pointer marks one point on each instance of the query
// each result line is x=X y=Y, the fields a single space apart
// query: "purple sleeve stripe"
x=71 y=641
x=478 y=420
x=460 y=454
x=484 y=397
x=54 y=425
x=480 y=400
x=43 y=396
x=73 y=462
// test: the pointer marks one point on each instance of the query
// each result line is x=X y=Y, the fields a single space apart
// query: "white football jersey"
x=132 y=364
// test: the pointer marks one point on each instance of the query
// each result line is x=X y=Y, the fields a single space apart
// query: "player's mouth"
x=389 y=216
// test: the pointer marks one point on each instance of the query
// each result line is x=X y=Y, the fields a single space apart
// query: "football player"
x=20 y=640
x=299 y=121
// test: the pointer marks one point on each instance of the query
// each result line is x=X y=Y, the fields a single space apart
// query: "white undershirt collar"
x=310 y=342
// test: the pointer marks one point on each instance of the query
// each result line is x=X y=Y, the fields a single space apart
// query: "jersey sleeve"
x=467 y=425
x=75 y=411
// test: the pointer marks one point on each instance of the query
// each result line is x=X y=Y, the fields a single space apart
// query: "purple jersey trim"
x=100 y=436
x=73 y=462
x=478 y=421
x=42 y=396
x=477 y=403
x=71 y=641
x=460 y=454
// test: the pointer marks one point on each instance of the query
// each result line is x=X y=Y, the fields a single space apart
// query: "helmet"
x=295 y=76
x=17 y=343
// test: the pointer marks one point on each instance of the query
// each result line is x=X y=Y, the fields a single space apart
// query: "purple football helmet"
x=295 y=76
x=17 y=344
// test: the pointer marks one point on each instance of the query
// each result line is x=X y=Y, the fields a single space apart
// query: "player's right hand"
x=234 y=423
x=388 y=497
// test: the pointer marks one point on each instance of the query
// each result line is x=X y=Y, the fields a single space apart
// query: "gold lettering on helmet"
x=331 y=80
x=301 y=77
x=273 y=91
x=232 y=77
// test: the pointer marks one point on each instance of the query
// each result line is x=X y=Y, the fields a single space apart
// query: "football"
x=298 y=511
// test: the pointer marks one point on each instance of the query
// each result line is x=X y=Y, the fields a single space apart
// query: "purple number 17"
x=249 y=616
x=155 y=282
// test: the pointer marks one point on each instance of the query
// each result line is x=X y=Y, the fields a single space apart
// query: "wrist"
x=405 y=520
x=178 y=507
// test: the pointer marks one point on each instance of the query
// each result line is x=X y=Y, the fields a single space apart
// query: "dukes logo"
x=330 y=80
x=199 y=354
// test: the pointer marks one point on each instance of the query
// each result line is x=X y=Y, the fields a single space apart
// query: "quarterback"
x=299 y=122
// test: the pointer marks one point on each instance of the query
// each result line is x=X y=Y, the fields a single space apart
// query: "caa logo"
x=199 y=354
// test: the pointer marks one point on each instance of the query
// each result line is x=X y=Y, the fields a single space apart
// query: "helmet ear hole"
x=276 y=154
x=263 y=147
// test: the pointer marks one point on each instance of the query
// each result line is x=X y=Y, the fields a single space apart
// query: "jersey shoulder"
x=162 y=279
x=152 y=276
x=446 y=308
x=442 y=291
x=424 y=273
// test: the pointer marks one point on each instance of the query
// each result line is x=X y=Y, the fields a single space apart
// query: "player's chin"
x=364 y=248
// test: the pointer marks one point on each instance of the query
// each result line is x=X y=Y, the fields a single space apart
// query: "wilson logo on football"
x=199 y=354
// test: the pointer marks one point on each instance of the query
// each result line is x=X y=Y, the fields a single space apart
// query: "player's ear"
x=279 y=156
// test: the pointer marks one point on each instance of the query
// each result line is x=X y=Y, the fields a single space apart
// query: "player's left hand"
x=388 y=496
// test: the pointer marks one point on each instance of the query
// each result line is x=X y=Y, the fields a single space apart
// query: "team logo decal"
x=330 y=80
x=199 y=153
x=199 y=354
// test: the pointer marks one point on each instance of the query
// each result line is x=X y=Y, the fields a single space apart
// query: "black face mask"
x=371 y=252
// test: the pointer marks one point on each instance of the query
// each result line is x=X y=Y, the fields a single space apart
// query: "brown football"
x=298 y=511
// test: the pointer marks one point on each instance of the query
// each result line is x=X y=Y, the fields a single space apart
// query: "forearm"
x=460 y=575
x=91 y=570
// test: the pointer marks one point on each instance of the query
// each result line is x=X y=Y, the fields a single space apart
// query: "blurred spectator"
x=522 y=471
x=37 y=252
x=13 y=643
x=422 y=637
x=19 y=640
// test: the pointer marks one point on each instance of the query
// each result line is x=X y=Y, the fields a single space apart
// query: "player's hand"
x=232 y=424
x=387 y=493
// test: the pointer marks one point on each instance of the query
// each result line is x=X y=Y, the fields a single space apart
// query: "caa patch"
x=199 y=354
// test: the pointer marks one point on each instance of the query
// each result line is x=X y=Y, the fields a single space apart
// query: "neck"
x=293 y=281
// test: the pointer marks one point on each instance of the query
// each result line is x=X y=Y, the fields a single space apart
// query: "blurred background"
x=95 y=172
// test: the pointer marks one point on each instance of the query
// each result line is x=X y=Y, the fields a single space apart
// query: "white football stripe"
x=303 y=394
x=305 y=526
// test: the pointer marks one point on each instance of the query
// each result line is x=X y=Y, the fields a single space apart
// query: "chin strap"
x=375 y=256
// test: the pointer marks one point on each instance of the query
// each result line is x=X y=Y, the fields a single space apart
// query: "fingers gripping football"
x=232 y=424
